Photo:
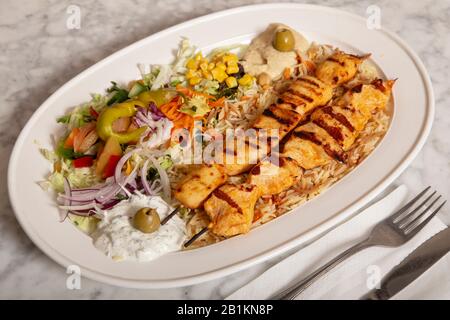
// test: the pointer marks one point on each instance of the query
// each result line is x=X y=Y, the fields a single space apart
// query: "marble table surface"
x=38 y=54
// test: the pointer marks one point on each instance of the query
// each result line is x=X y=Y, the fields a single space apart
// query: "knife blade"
x=414 y=265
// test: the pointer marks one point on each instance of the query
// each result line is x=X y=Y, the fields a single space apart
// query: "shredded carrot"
x=179 y=119
x=189 y=92
x=286 y=73
x=184 y=90
x=217 y=103
x=245 y=98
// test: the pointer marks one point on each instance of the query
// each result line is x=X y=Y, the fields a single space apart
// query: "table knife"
x=415 y=264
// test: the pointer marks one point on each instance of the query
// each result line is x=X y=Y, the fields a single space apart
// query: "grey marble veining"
x=38 y=54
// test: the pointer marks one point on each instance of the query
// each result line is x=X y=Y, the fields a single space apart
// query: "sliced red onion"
x=79 y=207
x=74 y=201
x=156 y=186
x=109 y=194
x=68 y=192
x=132 y=185
x=131 y=177
x=121 y=163
x=87 y=190
x=155 y=112
x=159 y=126
x=84 y=202
x=85 y=213
x=77 y=197
x=144 y=180
x=111 y=204
x=163 y=176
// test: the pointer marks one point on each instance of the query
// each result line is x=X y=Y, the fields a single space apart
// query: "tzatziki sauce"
x=118 y=239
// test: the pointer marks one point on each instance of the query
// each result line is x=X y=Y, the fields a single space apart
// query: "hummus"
x=261 y=56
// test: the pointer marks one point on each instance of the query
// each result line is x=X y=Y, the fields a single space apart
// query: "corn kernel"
x=191 y=73
x=219 y=74
x=232 y=64
x=231 y=82
x=246 y=80
x=230 y=58
x=232 y=69
x=221 y=66
x=218 y=56
x=195 y=80
x=204 y=66
x=192 y=64
x=206 y=74
x=198 y=57
x=211 y=66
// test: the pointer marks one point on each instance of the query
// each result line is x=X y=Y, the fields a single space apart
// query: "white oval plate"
x=411 y=123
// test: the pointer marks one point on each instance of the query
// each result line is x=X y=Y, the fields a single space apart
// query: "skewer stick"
x=195 y=237
x=174 y=212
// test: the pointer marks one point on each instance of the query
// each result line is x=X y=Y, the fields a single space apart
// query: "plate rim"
x=332 y=222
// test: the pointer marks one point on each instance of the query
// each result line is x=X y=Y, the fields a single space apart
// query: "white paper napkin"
x=357 y=275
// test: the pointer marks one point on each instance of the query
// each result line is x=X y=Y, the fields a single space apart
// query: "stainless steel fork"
x=393 y=231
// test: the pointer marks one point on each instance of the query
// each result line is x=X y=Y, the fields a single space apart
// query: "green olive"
x=284 y=40
x=146 y=220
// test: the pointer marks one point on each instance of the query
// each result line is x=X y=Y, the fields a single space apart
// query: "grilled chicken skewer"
x=331 y=131
x=301 y=97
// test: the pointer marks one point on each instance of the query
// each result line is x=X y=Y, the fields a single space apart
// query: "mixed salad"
x=118 y=147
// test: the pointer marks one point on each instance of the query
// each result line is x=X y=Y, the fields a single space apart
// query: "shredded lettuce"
x=86 y=224
x=163 y=77
x=81 y=114
x=148 y=77
x=169 y=74
x=237 y=49
x=56 y=182
x=165 y=162
x=49 y=154
x=117 y=94
x=137 y=89
x=78 y=177
x=81 y=177
x=185 y=52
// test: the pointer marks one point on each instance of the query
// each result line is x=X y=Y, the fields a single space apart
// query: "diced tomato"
x=83 y=162
x=71 y=138
x=94 y=114
x=83 y=132
x=111 y=166
x=112 y=147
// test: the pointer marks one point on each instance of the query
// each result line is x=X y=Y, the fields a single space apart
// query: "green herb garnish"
x=120 y=95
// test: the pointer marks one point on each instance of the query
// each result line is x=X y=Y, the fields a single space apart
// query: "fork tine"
x=413 y=230
x=408 y=218
x=408 y=224
x=397 y=214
